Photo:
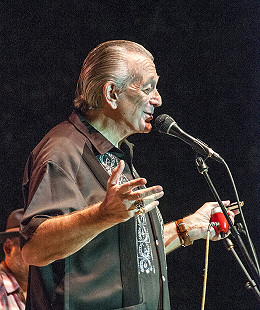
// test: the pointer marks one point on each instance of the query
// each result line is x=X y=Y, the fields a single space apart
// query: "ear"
x=7 y=246
x=110 y=94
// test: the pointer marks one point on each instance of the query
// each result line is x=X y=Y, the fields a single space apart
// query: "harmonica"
x=234 y=205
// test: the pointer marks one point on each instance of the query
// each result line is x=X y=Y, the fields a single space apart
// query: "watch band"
x=183 y=233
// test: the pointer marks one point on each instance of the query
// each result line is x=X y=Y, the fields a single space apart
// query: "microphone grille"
x=163 y=122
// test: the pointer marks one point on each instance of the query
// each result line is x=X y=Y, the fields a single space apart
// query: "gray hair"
x=106 y=63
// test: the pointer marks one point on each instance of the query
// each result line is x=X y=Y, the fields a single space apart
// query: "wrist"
x=194 y=229
x=183 y=232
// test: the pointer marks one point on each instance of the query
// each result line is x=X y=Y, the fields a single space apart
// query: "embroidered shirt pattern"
x=144 y=250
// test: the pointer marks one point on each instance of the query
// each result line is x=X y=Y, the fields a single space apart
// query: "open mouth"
x=149 y=116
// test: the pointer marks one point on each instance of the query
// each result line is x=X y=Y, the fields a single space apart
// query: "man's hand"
x=120 y=203
x=198 y=222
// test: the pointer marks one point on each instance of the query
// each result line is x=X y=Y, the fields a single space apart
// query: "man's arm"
x=61 y=236
x=196 y=225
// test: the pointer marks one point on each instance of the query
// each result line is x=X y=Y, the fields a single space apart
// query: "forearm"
x=171 y=238
x=61 y=236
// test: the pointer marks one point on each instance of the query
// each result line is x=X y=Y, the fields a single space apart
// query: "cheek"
x=141 y=106
x=17 y=252
x=136 y=98
x=134 y=109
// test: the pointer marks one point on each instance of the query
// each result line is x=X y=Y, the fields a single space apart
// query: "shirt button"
x=163 y=278
x=157 y=242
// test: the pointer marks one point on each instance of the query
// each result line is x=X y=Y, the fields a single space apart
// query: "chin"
x=147 y=128
x=144 y=127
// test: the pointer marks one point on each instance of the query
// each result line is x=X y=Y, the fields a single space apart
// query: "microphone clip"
x=201 y=165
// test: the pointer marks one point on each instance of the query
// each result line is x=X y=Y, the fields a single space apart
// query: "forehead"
x=142 y=67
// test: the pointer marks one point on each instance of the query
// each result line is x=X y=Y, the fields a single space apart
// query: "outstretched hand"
x=120 y=203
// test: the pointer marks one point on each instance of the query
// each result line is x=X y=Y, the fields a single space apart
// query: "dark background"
x=207 y=54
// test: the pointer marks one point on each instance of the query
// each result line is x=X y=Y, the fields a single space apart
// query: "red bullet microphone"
x=217 y=216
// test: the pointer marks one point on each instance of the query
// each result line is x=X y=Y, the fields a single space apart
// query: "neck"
x=110 y=128
x=22 y=281
x=20 y=275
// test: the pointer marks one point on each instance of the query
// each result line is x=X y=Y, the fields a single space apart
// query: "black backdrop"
x=206 y=53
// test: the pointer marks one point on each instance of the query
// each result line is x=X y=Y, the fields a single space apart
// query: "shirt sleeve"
x=52 y=192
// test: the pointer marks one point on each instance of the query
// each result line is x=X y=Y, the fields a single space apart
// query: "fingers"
x=232 y=216
x=125 y=197
x=225 y=203
x=146 y=208
x=236 y=212
x=114 y=178
x=145 y=199
x=126 y=187
x=154 y=192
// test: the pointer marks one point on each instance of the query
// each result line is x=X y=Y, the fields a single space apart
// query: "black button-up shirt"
x=58 y=181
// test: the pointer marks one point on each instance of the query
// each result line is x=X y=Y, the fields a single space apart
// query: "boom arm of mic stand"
x=251 y=283
x=203 y=169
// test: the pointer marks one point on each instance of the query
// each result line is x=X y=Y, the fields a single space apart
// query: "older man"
x=92 y=230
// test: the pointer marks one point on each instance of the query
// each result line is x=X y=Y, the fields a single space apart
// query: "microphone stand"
x=203 y=169
x=251 y=283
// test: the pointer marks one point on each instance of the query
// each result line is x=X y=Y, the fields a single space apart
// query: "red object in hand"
x=218 y=216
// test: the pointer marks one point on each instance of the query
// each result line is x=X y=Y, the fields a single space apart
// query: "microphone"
x=218 y=218
x=166 y=124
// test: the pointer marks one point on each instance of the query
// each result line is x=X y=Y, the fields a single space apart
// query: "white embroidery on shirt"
x=144 y=250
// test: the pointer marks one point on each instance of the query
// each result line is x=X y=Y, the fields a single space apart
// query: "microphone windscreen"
x=163 y=122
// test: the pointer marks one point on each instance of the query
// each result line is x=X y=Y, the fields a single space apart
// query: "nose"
x=156 y=99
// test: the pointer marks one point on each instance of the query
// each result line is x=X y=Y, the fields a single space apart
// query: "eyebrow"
x=152 y=80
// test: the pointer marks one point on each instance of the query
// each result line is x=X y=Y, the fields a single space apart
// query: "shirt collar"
x=96 y=138
x=9 y=281
x=101 y=144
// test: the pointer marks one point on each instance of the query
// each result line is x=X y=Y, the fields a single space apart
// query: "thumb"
x=114 y=178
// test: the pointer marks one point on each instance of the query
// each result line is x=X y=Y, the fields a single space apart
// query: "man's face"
x=137 y=102
x=13 y=256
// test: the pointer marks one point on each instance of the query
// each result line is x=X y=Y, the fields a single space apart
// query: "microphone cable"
x=251 y=245
x=211 y=224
